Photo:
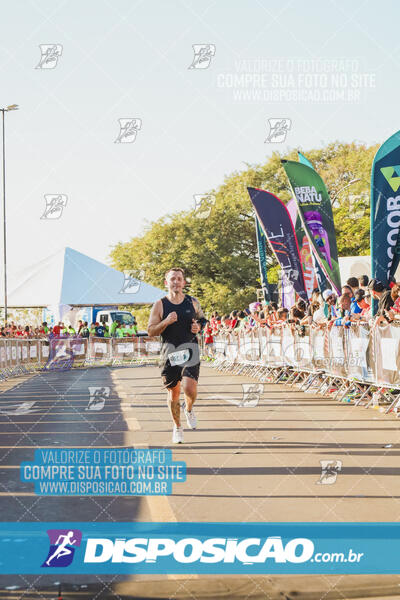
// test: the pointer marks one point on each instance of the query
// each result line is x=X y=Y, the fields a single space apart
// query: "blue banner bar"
x=203 y=548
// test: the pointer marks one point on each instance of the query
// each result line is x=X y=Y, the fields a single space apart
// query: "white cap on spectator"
x=327 y=293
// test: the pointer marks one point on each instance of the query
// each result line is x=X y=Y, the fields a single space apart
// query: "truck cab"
x=110 y=316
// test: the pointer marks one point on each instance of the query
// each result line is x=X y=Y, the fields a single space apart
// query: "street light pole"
x=4 y=110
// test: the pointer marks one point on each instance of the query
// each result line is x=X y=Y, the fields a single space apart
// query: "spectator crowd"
x=354 y=306
x=83 y=330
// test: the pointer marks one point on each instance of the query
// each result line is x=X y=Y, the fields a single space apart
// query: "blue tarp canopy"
x=71 y=278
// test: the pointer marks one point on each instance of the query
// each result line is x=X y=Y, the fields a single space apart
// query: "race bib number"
x=179 y=358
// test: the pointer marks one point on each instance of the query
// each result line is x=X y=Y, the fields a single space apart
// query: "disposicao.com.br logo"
x=192 y=550
x=198 y=547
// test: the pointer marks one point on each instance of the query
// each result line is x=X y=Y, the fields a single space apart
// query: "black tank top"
x=179 y=332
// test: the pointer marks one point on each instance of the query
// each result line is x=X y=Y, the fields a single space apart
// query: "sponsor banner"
x=321 y=281
x=385 y=210
x=276 y=222
x=315 y=210
x=262 y=260
x=199 y=548
x=313 y=275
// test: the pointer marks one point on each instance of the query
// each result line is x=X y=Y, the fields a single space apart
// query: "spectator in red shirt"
x=208 y=339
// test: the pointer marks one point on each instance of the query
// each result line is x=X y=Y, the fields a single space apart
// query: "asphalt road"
x=243 y=464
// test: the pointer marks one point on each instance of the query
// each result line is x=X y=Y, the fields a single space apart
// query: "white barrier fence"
x=357 y=358
x=27 y=356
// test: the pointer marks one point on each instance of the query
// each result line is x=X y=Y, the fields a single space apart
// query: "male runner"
x=177 y=318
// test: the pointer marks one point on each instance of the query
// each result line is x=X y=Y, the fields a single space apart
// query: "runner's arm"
x=199 y=313
x=156 y=323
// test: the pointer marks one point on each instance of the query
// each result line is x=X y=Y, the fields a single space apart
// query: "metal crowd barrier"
x=358 y=365
x=24 y=356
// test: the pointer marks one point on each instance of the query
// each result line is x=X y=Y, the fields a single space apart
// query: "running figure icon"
x=62 y=549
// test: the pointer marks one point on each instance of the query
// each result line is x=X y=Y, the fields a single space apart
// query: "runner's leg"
x=190 y=391
x=173 y=403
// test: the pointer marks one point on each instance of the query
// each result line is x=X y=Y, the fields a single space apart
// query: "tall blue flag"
x=385 y=210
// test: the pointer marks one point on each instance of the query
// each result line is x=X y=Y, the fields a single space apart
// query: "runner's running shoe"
x=177 y=435
x=190 y=418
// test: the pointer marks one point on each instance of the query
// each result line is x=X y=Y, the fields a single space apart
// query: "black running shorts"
x=172 y=374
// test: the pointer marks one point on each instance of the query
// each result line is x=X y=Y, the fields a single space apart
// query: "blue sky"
x=127 y=59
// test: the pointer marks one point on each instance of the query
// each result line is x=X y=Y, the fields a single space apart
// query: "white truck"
x=105 y=315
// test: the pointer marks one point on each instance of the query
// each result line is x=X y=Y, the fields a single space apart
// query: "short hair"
x=363 y=280
x=352 y=282
x=376 y=286
x=282 y=311
x=359 y=295
x=349 y=288
x=395 y=291
x=301 y=304
x=176 y=270
x=296 y=313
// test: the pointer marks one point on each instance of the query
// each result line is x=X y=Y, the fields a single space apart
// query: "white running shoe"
x=177 y=435
x=190 y=418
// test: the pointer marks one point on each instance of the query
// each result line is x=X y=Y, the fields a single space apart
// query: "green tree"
x=219 y=253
